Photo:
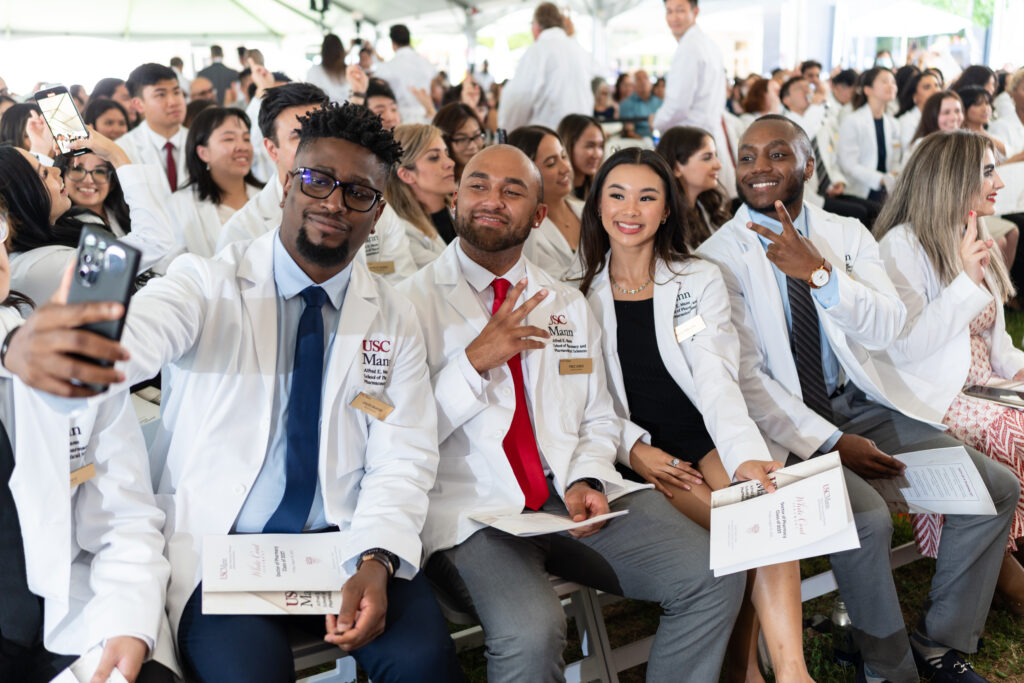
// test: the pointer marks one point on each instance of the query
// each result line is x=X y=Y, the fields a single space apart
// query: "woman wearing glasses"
x=218 y=154
x=45 y=227
x=419 y=191
x=463 y=133
x=92 y=186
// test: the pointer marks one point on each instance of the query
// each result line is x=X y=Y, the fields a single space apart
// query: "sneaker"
x=949 y=668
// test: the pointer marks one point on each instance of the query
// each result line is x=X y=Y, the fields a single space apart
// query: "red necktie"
x=172 y=167
x=520 y=444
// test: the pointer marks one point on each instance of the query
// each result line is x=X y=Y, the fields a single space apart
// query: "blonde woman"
x=419 y=190
x=954 y=284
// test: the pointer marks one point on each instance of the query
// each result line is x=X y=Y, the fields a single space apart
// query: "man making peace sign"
x=810 y=297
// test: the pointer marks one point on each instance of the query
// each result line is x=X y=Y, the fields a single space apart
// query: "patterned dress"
x=995 y=430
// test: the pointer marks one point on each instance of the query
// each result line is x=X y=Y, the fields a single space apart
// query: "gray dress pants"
x=970 y=552
x=653 y=553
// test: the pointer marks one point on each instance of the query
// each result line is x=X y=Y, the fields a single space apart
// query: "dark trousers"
x=36 y=664
x=864 y=210
x=415 y=645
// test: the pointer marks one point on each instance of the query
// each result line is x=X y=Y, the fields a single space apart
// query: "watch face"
x=819 y=278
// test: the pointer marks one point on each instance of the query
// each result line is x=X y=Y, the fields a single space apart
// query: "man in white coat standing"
x=292 y=403
x=810 y=297
x=407 y=71
x=695 y=85
x=552 y=78
x=525 y=423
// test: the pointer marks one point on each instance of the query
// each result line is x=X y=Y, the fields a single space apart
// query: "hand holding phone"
x=61 y=115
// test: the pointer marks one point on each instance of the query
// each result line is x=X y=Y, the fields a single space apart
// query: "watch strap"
x=385 y=557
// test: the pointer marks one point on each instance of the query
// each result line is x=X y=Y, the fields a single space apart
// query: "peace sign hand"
x=973 y=251
x=505 y=335
x=791 y=252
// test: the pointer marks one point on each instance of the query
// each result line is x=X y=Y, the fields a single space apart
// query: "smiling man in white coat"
x=810 y=297
x=526 y=421
x=552 y=78
x=293 y=402
x=386 y=250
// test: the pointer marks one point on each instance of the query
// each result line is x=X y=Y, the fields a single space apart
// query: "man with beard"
x=810 y=298
x=526 y=421
x=293 y=402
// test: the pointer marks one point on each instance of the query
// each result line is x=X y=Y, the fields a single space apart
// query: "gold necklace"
x=623 y=290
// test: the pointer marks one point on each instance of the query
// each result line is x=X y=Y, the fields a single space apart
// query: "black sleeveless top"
x=656 y=403
x=442 y=221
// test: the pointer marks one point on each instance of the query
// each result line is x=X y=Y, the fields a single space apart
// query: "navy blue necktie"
x=303 y=424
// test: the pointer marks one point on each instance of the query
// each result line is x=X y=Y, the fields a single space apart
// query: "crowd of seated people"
x=366 y=315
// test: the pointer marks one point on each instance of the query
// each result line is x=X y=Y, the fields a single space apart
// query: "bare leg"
x=1010 y=585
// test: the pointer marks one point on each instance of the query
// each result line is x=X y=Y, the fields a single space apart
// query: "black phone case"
x=105 y=270
x=62 y=89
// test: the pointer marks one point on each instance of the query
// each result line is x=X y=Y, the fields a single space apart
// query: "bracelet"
x=7 y=345
x=384 y=557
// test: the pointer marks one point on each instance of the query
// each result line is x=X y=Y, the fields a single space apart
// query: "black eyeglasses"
x=468 y=139
x=100 y=174
x=320 y=185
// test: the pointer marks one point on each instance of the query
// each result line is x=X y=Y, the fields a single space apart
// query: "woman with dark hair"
x=218 y=154
x=977 y=103
x=911 y=100
x=869 y=146
x=690 y=153
x=762 y=98
x=45 y=227
x=106 y=116
x=624 y=87
x=584 y=139
x=22 y=125
x=552 y=245
x=6 y=102
x=470 y=94
x=117 y=90
x=329 y=74
x=92 y=185
x=943 y=111
x=977 y=75
x=463 y=133
x=674 y=371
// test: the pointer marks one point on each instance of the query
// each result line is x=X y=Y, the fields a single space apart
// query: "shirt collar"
x=773 y=224
x=291 y=280
x=479 y=277
x=178 y=139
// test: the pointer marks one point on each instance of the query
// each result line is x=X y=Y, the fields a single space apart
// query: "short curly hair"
x=354 y=123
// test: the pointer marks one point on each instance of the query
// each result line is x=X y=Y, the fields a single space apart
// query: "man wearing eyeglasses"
x=293 y=403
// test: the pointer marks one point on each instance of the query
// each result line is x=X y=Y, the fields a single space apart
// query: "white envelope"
x=82 y=669
x=808 y=515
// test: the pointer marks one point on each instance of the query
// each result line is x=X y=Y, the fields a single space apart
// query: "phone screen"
x=62 y=117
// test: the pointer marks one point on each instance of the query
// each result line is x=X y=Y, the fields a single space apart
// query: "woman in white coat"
x=218 y=154
x=553 y=245
x=672 y=358
x=869 y=139
x=45 y=229
x=93 y=185
x=954 y=284
x=83 y=568
x=419 y=190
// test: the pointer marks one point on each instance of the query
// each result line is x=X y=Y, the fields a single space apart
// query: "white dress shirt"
x=408 y=69
x=551 y=80
x=811 y=120
x=143 y=145
x=908 y=125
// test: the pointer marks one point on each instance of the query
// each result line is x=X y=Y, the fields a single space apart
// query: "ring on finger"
x=674 y=462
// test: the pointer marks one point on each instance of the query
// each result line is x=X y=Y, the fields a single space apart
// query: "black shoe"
x=950 y=668
x=862 y=677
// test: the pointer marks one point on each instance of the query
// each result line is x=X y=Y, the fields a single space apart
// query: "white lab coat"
x=551 y=81
x=574 y=420
x=933 y=353
x=37 y=273
x=213 y=322
x=337 y=90
x=422 y=248
x=387 y=246
x=1010 y=132
x=1003 y=106
x=858 y=152
x=408 y=69
x=143 y=146
x=705 y=365
x=811 y=120
x=695 y=95
x=263 y=167
x=868 y=316
x=93 y=553
x=199 y=219
x=908 y=124
x=547 y=248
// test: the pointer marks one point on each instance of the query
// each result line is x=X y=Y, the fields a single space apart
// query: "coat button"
x=239 y=489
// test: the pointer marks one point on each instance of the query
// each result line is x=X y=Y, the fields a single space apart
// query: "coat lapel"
x=259 y=299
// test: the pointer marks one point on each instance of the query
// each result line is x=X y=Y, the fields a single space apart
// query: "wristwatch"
x=820 y=275
x=388 y=559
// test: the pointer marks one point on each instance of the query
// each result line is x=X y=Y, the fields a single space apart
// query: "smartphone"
x=105 y=270
x=502 y=137
x=61 y=115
